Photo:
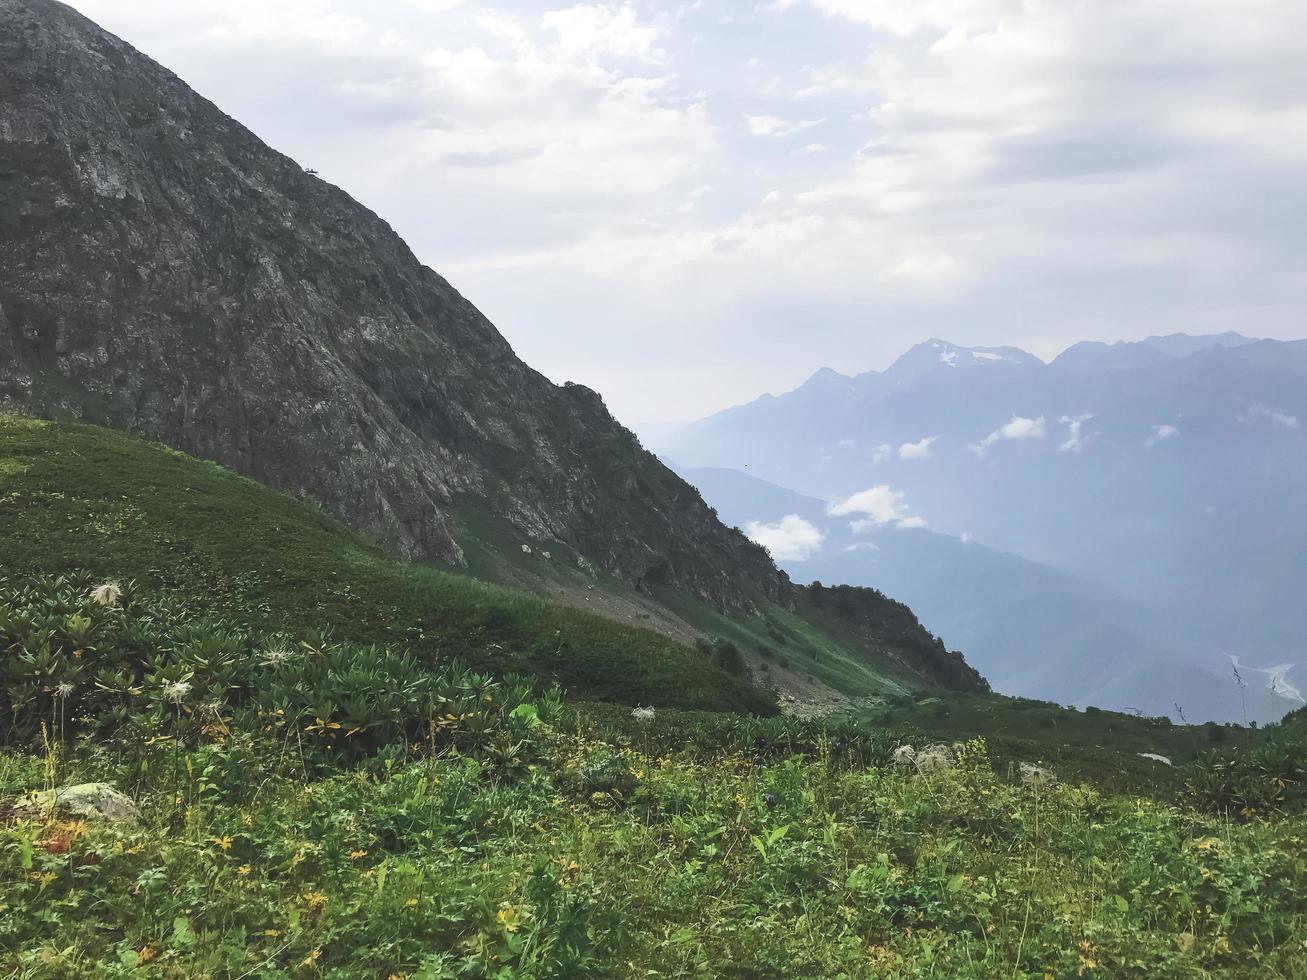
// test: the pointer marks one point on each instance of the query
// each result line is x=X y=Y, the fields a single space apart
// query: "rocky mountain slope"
x=164 y=272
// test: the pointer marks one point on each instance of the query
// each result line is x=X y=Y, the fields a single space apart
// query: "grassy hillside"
x=1108 y=747
x=330 y=810
x=79 y=497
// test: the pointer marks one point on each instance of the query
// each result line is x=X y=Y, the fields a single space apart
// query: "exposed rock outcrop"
x=164 y=272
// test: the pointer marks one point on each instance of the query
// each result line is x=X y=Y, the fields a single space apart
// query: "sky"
x=686 y=204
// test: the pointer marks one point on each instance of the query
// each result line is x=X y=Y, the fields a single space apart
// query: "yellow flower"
x=272 y=933
x=356 y=855
x=146 y=954
x=243 y=870
x=223 y=842
x=311 y=958
x=507 y=918
x=314 y=900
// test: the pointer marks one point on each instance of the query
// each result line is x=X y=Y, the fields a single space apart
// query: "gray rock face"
x=88 y=801
x=164 y=272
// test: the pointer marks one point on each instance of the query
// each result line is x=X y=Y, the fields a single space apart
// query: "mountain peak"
x=825 y=375
x=1094 y=355
x=936 y=354
x=1183 y=344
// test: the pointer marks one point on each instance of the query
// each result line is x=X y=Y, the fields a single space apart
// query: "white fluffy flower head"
x=107 y=594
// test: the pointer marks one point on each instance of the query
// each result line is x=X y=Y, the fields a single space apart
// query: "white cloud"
x=918 y=450
x=595 y=30
x=879 y=506
x=790 y=539
x=1076 y=437
x=1265 y=413
x=881 y=453
x=1161 y=433
x=434 y=6
x=780 y=128
x=1019 y=429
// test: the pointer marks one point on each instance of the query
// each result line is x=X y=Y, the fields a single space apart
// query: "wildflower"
x=570 y=872
x=357 y=855
x=272 y=933
x=314 y=900
x=311 y=958
x=63 y=690
x=107 y=594
x=146 y=954
x=243 y=870
x=643 y=715
x=507 y=918
x=275 y=657
x=176 y=691
x=223 y=842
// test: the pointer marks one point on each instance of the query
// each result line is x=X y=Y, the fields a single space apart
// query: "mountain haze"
x=1031 y=629
x=1168 y=472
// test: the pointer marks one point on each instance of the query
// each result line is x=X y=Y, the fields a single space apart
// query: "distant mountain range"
x=1141 y=506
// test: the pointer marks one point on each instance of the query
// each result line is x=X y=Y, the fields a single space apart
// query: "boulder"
x=89 y=801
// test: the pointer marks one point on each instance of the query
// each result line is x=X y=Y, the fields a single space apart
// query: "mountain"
x=1175 y=481
x=1183 y=345
x=167 y=274
x=1090 y=355
x=1029 y=628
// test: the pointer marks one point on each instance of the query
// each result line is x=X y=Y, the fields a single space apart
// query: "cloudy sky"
x=686 y=204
